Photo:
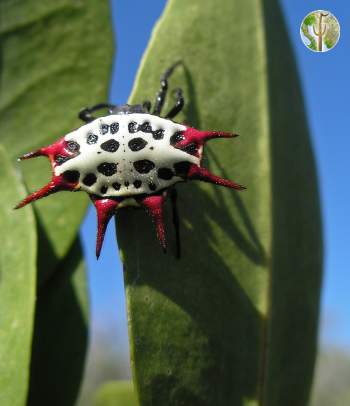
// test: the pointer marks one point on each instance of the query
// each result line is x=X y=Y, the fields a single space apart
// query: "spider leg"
x=161 y=95
x=176 y=222
x=85 y=113
x=179 y=104
x=147 y=105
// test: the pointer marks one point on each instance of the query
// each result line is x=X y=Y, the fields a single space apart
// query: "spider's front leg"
x=86 y=113
x=179 y=104
x=161 y=95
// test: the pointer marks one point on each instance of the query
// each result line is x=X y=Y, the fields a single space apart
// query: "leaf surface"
x=17 y=287
x=218 y=326
x=61 y=334
x=55 y=60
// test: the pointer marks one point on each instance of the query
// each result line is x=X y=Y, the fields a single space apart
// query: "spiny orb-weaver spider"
x=131 y=157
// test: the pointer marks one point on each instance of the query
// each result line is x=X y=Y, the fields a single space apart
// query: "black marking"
x=145 y=127
x=61 y=159
x=103 y=189
x=107 y=168
x=190 y=148
x=114 y=128
x=110 y=145
x=137 y=144
x=176 y=137
x=151 y=148
x=116 y=185
x=144 y=166
x=126 y=183
x=104 y=129
x=158 y=134
x=73 y=146
x=71 y=176
x=132 y=127
x=165 y=173
x=137 y=183
x=91 y=139
x=89 y=179
x=182 y=168
x=152 y=186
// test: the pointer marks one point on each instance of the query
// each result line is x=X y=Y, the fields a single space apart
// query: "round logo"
x=320 y=31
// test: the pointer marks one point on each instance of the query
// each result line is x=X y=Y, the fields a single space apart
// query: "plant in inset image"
x=320 y=31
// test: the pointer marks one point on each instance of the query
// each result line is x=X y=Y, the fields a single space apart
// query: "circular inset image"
x=320 y=31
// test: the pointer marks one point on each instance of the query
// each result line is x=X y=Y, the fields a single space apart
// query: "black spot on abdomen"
x=190 y=148
x=114 y=128
x=89 y=179
x=73 y=146
x=116 y=185
x=71 y=176
x=110 y=145
x=132 y=127
x=165 y=173
x=144 y=166
x=152 y=186
x=91 y=139
x=103 y=189
x=176 y=137
x=158 y=134
x=182 y=168
x=61 y=159
x=104 y=129
x=137 y=183
x=137 y=144
x=145 y=127
x=107 y=168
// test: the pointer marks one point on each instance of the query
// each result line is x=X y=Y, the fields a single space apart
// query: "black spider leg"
x=180 y=102
x=85 y=114
x=176 y=222
x=160 y=98
x=147 y=105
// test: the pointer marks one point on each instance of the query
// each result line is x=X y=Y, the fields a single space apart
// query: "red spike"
x=196 y=172
x=55 y=185
x=105 y=209
x=48 y=189
x=199 y=137
x=32 y=154
x=207 y=135
x=58 y=147
x=154 y=207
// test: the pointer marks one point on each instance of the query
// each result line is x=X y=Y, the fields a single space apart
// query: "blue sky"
x=325 y=80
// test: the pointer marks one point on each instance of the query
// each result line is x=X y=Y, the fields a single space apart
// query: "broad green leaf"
x=234 y=321
x=55 y=59
x=61 y=334
x=118 y=393
x=17 y=287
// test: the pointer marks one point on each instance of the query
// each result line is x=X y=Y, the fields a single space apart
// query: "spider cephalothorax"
x=128 y=158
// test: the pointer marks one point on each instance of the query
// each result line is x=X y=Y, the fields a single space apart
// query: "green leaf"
x=235 y=320
x=119 y=393
x=17 y=287
x=55 y=59
x=61 y=334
